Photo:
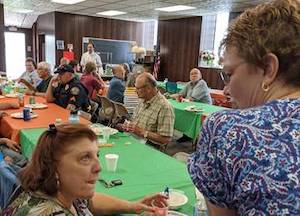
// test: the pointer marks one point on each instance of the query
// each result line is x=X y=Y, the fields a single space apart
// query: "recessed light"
x=111 y=13
x=175 y=8
x=67 y=1
x=23 y=11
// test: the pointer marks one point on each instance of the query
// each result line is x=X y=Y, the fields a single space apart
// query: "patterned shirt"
x=155 y=115
x=249 y=160
x=39 y=204
x=31 y=77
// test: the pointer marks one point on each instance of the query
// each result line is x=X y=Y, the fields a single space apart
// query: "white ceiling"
x=137 y=10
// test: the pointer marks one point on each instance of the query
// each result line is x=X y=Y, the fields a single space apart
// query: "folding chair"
x=107 y=110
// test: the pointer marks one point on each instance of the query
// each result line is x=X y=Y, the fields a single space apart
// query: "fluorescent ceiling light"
x=175 y=8
x=23 y=11
x=111 y=13
x=67 y=1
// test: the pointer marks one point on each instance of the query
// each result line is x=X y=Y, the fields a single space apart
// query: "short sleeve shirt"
x=31 y=77
x=43 y=85
x=72 y=94
x=156 y=115
x=249 y=160
x=93 y=57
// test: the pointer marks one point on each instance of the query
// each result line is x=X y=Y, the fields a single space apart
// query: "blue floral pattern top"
x=249 y=160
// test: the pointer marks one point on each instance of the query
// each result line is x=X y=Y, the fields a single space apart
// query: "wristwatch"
x=146 y=134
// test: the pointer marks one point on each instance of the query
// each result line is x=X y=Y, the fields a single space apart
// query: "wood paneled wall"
x=179 y=41
x=212 y=77
x=28 y=40
x=71 y=28
x=2 y=40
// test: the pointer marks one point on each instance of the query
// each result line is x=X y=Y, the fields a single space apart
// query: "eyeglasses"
x=226 y=77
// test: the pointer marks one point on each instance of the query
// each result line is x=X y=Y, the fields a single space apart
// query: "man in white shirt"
x=91 y=56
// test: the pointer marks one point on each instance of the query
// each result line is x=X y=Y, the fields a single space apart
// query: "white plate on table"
x=175 y=213
x=1 y=96
x=11 y=95
x=37 y=106
x=19 y=115
x=177 y=199
x=193 y=109
x=98 y=130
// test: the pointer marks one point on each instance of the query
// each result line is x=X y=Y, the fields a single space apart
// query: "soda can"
x=26 y=114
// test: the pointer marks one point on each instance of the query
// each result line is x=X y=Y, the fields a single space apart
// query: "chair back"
x=107 y=110
x=94 y=106
x=171 y=87
x=120 y=113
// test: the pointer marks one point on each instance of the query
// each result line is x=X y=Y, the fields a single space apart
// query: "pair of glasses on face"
x=226 y=77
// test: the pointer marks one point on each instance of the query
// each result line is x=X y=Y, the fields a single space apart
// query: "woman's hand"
x=146 y=203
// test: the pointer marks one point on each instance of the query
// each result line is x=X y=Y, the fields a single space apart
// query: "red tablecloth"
x=10 y=127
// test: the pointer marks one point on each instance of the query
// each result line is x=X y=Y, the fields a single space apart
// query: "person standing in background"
x=91 y=56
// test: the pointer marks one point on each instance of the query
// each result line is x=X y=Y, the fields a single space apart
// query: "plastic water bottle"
x=200 y=209
x=74 y=117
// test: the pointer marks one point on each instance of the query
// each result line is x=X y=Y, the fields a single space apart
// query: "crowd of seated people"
x=247 y=158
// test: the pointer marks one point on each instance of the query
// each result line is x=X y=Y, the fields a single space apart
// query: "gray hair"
x=45 y=66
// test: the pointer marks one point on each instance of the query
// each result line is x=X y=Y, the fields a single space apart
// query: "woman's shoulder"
x=34 y=204
x=274 y=110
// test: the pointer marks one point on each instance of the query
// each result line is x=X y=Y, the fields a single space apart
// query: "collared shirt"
x=249 y=160
x=38 y=203
x=91 y=83
x=155 y=115
x=198 y=92
x=31 y=77
x=116 y=90
x=42 y=87
x=90 y=57
x=72 y=95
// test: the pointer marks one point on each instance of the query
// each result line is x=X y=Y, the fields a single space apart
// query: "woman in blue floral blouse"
x=248 y=160
x=61 y=177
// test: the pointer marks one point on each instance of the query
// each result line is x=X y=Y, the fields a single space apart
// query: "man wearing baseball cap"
x=66 y=91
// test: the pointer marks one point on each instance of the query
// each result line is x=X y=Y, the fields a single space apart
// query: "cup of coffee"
x=111 y=162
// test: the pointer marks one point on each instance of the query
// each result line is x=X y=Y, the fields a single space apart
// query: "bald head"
x=146 y=79
x=118 y=71
x=195 y=75
x=145 y=85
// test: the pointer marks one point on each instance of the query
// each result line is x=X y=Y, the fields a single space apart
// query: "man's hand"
x=11 y=144
x=133 y=128
x=146 y=203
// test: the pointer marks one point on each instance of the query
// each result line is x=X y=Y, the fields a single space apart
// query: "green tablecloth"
x=189 y=122
x=163 y=85
x=142 y=169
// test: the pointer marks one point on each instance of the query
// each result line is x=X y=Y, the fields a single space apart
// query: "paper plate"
x=11 y=95
x=19 y=115
x=174 y=213
x=1 y=96
x=176 y=199
x=193 y=109
x=37 y=106
x=98 y=130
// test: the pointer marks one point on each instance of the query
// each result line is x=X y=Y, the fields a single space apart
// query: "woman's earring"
x=265 y=87
x=57 y=180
